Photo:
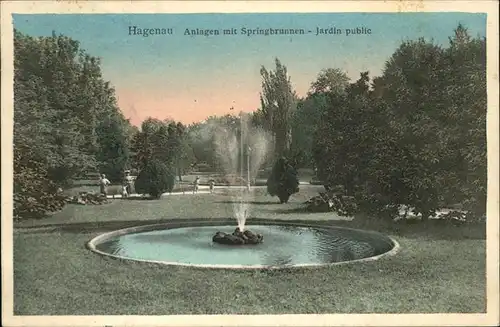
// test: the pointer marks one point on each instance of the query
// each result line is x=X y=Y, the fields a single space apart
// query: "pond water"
x=283 y=245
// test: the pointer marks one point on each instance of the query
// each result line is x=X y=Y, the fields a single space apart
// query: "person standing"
x=196 y=184
x=128 y=181
x=124 y=191
x=212 y=185
x=104 y=182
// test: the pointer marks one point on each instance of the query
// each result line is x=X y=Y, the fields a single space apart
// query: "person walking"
x=104 y=182
x=212 y=185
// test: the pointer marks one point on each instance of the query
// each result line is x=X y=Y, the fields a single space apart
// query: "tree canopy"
x=66 y=119
x=414 y=136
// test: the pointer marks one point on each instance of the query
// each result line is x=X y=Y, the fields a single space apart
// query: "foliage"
x=416 y=135
x=158 y=153
x=283 y=181
x=34 y=194
x=158 y=140
x=60 y=104
x=331 y=201
x=114 y=148
x=207 y=141
x=201 y=140
x=309 y=113
x=330 y=80
x=278 y=102
x=155 y=178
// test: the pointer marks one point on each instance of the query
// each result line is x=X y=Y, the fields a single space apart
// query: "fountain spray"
x=226 y=144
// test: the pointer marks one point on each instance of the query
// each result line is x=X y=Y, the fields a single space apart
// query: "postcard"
x=250 y=163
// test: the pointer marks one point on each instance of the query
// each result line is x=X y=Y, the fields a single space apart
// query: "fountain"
x=233 y=155
x=203 y=243
x=188 y=243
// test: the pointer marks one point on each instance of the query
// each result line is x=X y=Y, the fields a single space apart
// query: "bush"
x=283 y=181
x=332 y=202
x=35 y=196
x=154 y=179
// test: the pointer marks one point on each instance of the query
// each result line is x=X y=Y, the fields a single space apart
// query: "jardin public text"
x=246 y=31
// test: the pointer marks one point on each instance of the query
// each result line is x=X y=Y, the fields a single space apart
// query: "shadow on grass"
x=301 y=210
x=249 y=202
x=139 y=198
x=92 y=227
x=425 y=230
x=428 y=230
x=411 y=228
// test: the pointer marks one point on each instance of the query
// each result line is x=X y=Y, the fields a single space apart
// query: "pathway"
x=203 y=189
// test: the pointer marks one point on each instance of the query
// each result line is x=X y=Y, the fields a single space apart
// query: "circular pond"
x=283 y=246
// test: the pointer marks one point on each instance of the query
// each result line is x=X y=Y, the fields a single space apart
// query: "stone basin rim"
x=92 y=244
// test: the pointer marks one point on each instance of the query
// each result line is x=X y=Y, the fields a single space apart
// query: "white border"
x=480 y=319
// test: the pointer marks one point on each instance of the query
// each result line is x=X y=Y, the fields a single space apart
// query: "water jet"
x=256 y=142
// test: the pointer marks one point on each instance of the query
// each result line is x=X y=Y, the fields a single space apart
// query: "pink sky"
x=191 y=104
x=187 y=98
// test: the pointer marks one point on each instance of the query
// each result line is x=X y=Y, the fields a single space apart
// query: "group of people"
x=196 y=183
x=128 y=182
x=126 y=188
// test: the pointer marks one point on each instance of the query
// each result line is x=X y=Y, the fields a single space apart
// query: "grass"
x=440 y=267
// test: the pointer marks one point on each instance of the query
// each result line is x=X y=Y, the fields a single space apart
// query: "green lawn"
x=440 y=267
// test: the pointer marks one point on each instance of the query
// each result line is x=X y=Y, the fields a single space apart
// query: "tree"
x=467 y=106
x=416 y=135
x=310 y=110
x=114 y=148
x=159 y=141
x=199 y=140
x=278 y=102
x=60 y=99
x=148 y=142
x=178 y=152
x=330 y=80
x=342 y=138
x=283 y=181
x=155 y=178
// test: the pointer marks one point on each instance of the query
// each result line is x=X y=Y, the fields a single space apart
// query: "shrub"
x=332 y=202
x=154 y=179
x=283 y=181
x=35 y=196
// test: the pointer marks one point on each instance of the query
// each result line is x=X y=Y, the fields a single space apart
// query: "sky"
x=188 y=78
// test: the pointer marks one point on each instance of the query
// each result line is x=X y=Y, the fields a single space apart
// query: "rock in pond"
x=238 y=237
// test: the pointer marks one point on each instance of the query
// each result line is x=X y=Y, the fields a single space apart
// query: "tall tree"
x=278 y=102
x=340 y=141
x=114 y=147
x=307 y=117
